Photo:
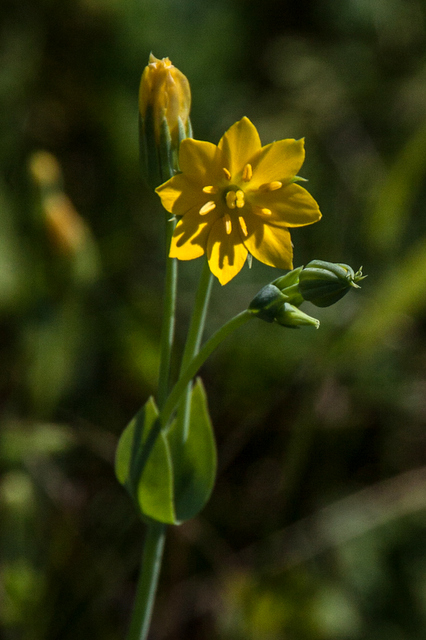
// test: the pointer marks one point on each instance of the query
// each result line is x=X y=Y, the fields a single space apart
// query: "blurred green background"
x=317 y=526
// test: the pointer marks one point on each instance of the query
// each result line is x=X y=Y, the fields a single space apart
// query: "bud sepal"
x=288 y=284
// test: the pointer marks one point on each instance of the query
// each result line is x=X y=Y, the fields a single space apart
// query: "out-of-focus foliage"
x=316 y=528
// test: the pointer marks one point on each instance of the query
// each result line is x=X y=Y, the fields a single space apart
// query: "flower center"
x=234 y=198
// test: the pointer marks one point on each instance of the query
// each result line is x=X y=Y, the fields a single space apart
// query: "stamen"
x=243 y=225
x=227 y=173
x=265 y=211
x=247 y=173
x=271 y=186
x=240 y=199
x=231 y=197
x=206 y=208
x=228 y=223
x=211 y=189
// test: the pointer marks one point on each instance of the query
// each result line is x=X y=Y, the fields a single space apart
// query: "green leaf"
x=147 y=474
x=172 y=480
x=194 y=461
x=123 y=454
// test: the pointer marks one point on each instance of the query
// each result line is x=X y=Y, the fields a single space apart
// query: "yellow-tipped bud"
x=164 y=106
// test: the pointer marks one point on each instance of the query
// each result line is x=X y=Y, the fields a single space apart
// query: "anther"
x=227 y=173
x=231 y=197
x=206 y=208
x=271 y=186
x=247 y=173
x=265 y=211
x=228 y=223
x=243 y=225
x=211 y=189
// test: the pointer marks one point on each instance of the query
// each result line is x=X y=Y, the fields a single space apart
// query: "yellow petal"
x=189 y=239
x=225 y=252
x=179 y=194
x=277 y=161
x=270 y=245
x=200 y=161
x=238 y=145
x=291 y=206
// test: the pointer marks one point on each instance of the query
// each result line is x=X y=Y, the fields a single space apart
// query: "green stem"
x=185 y=379
x=198 y=319
x=193 y=341
x=168 y=328
x=155 y=535
x=156 y=531
x=199 y=360
x=147 y=585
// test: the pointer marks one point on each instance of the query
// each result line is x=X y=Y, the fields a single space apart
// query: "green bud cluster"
x=321 y=283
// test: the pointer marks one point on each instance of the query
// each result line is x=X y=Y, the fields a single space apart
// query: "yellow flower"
x=238 y=198
x=165 y=90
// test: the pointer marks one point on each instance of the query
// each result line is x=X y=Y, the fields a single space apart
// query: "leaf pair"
x=169 y=479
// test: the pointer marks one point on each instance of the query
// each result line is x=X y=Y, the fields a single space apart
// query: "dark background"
x=316 y=529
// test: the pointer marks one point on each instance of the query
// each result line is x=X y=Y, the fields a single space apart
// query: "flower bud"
x=164 y=105
x=272 y=305
x=267 y=302
x=291 y=316
x=324 y=283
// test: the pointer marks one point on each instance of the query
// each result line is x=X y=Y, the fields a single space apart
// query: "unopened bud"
x=267 y=302
x=324 y=283
x=164 y=106
x=272 y=305
x=291 y=316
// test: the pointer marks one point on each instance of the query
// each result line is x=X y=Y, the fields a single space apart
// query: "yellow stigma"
x=240 y=199
x=235 y=199
x=243 y=225
x=231 y=197
x=247 y=173
x=227 y=173
x=211 y=189
x=271 y=186
x=228 y=223
x=206 y=208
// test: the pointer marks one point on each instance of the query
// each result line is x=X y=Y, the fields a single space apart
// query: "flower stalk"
x=148 y=582
x=193 y=342
x=169 y=311
x=195 y=364
x=164 y=106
